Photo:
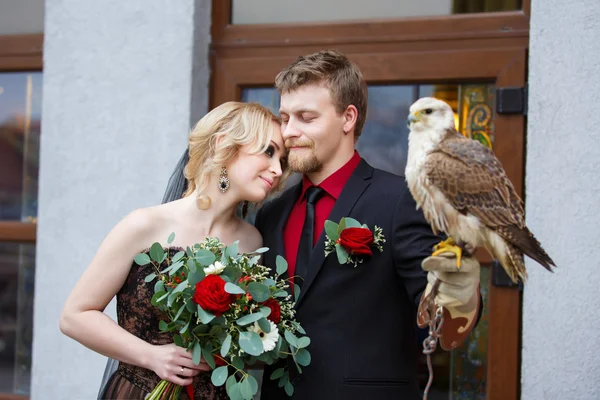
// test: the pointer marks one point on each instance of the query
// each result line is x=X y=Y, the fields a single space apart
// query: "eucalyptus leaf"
x=303 y=357
x=303 y=342
x=189 y=252
x=181 y=286
x=278 y=373
x=238 y=363
x=254 y=260
x=352 y=223
x=253 y=384
x=219 y=376
x=291 y=339
x=234 y=392
x=208 y=357
x=258 y=291
x=178 y=340
x=261 y=250
x=141 y=259
x=265 y=311
x=248 y=319
x=246 y=389
x=289 y=389
x=171 y=238
x=264 y=324
x=232 y=288
x=232 y=250
x=331 y=230
x=196 y=353
x=179 y=312
x=280 y=294
x=205 y=257
x=282 y=265
x=196 y=276
x=163 y=326
x=155 y=299
x=157 y=253
x=341 y=226
x=269 y=282
x=226 y=346
x=184 y=329
x=159 y=286
x=230 y=382
x=175 y=267
x=190 y=306
x=204 y=316
x=342 y=254
x=299 y=327
x=178 y=256
x=251 y=343
x=296 y=292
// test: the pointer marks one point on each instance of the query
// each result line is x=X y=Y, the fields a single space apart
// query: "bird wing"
x=473 y=180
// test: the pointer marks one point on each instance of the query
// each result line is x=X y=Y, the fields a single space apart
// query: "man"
x=361 y=320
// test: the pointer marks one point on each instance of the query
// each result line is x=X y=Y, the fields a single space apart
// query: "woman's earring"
x=223 y=180
x=203 y=202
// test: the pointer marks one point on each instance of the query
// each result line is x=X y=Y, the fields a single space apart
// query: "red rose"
x=211 y=295
x=357 y=241
x=275 y=315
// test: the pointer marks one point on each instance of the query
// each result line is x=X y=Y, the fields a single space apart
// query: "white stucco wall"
x=123 y=82
x=560 y=319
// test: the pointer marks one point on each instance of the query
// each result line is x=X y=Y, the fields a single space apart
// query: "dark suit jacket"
x=361 y=321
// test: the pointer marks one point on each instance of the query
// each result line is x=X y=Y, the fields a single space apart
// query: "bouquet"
x=228 y=309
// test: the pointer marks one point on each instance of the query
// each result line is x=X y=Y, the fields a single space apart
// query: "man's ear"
x=350 y=117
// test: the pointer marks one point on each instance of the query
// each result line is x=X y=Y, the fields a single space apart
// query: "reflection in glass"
x=460 y=374
x=315 y=11
x=17 y=271
x=20 y=116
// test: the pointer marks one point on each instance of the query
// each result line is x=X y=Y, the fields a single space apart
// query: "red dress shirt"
x=333 y=186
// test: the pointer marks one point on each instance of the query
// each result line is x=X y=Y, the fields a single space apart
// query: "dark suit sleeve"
x=412 y=242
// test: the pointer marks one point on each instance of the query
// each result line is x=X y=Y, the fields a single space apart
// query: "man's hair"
x=341 y=76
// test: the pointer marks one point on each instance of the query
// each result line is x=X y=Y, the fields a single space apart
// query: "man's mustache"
x=299 y=143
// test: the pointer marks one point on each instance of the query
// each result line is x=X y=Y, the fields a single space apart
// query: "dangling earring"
x=223 y=180
x=203 y=202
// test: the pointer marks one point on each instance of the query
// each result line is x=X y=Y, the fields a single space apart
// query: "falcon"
x=465 y=192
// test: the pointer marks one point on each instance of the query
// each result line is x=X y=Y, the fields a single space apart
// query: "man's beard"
x=306 y=163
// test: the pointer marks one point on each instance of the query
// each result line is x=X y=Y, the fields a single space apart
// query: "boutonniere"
x=351 y=241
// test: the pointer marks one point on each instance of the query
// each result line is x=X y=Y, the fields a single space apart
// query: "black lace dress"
x=138 y=316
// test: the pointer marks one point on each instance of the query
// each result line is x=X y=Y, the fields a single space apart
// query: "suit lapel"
x=354 y=188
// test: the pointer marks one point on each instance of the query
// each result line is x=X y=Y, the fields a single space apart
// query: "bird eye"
x=428 y=111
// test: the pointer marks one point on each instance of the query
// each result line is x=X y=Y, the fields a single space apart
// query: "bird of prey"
x=465 y=193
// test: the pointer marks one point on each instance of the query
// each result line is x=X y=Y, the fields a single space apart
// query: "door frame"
x=486 y=47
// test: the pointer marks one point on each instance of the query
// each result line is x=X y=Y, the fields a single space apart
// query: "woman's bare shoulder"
x=250 y=238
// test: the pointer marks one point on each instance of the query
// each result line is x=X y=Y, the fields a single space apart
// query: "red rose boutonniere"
x=351 y=241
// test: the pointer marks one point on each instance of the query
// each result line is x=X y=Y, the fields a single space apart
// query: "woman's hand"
x=174 y=364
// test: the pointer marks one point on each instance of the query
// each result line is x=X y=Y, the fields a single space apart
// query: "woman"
x=235 y=155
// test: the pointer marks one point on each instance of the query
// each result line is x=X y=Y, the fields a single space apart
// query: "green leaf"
x=189 y=252
x=238 y=363
x=303 y=342
x=296 y=292
x=331 y=230
x=184 y=329
x=230 y=382
x=250 y=342
x=303 y=357
x=248 y=319
x=264 y=325
x=175 y=267
x=341 y=226
x=265 y=311
x=232 y=250
x=141 y=259
x=196 y=353
x=253 y=384
x=232 y=288
x=157 y=296
x=192 y=265
x=280 y=293
x=269 y=282
x=178 y=256
x=181 y=308
x=291 y=339
x=171 y=238
x=163 y=326
x=289 y=389
x=178 y=340
x=234 y=392
x=258 y=291
x=205 y=257
x=196 y=277
x=208 y=357
x=226 y=346
x=190 y=306
x=246 y=389
x=204 y=316
x=278 y=373
x=201 y=329
x=219 y=376
x=180 y=287
x=254 y=260
x=341 y=254
x=157 y=252
x=159 y=286
x=282 y=265
x=352 y=223
x=298 y=327
x=261 y=250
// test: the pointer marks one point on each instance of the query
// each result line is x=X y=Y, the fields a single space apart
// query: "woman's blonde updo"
x=236 y=124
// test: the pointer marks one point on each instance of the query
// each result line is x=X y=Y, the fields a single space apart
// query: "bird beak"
x=412 y=118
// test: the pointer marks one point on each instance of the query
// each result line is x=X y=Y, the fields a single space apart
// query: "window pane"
x=20 y=117
x=17 y=271
x=21 y=17
x=272 y=11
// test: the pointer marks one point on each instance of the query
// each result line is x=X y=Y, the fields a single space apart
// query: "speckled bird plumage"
x=465 y=192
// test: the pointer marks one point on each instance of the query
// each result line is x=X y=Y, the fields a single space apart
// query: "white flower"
x=214 y=269
x=269 y=340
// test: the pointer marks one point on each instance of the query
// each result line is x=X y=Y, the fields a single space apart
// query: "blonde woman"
x=236 y=155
